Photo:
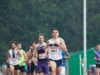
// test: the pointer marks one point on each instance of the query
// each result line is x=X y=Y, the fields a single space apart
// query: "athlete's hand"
x=49 y=63
x=19 y=52
x=57 y=42
x=66 y=57
x=34 y=60
x=8 y=60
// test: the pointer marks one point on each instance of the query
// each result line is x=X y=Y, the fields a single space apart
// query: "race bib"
x=54 y=49
x=14 y=62
x=42 y=56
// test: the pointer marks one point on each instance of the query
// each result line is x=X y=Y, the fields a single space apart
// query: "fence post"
x=80 y=60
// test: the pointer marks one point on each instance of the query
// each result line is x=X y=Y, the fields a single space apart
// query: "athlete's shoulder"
x=61 y=39
x=45 y=43
x=22 y=51
x=50 y=40
x=10 y=50
x=37 y=44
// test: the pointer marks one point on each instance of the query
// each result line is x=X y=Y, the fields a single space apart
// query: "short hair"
x=41 y=34
x=19 y=44
x=97 y=45
x=55 y=29
x=11 y=42
x=33 y=43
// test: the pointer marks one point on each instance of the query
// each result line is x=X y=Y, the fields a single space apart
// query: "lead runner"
x=55 y=46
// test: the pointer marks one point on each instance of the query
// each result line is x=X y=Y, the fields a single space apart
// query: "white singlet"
x=55 y=53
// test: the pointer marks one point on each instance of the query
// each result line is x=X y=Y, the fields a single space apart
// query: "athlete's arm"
x=7 y=57
x=47 y=50
x=37 y=54
x=95 y=58
x=25 y=55
x=19 y=52
x=28 y=54
x=62 y=45
x=47 y=53
x=67 y=56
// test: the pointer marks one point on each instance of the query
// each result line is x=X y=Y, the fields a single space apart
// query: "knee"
x=53 y=66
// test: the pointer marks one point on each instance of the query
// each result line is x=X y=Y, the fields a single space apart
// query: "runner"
x=97 y=59
x=12 y=59
x=32 y=60
x=65 y=63
x=23 y=59
x=55 y=46
x=43 y=68
x=4 y=69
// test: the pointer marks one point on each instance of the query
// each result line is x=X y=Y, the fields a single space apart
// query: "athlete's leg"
x=23 y=73
x=8 y=71
x=11 y=68
x=16 y=72
x=53 y=67
x=58 y=70
x=16 y=69
x=97 y=71
x=63 y=70
x=23 y=70
x=40 y=74
x=59 y=67
x=46 y=68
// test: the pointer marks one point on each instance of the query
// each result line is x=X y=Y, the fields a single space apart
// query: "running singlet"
x=22 y=58
x=97 y=55
x=14 y=57
x=55 y=53
x=41 y=51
